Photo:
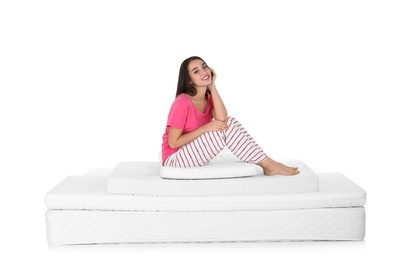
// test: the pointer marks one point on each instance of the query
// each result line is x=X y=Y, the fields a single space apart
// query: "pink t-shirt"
x=184 y=115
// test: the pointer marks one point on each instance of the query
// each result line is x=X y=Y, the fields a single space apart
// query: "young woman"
x=198 y=125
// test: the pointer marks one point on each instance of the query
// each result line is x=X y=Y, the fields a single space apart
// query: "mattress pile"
x=140 y=202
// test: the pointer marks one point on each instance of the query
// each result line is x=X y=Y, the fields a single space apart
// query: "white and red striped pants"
x=204 y=148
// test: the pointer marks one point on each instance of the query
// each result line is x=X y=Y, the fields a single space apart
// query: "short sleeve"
x=178 y=114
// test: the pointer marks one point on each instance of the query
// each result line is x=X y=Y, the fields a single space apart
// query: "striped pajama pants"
x=204 y=148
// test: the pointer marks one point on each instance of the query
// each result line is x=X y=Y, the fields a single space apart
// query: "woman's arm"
x=176 y=138
x=219 y=111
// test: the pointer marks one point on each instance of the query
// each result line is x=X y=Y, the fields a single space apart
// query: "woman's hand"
x=215 y=125
x=213 y=75
x=213 y=78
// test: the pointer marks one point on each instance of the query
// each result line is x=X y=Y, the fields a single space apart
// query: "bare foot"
x=292 y=168
x=272 y=167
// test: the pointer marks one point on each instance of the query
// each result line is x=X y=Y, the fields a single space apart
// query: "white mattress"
x=81 y=211
x=221 y=170
x=143 y=178
x=90 y=193
x=96 y=226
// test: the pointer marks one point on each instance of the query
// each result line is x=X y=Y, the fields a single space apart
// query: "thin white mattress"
x=143 y=178
x=90 y=193
x=224 y=165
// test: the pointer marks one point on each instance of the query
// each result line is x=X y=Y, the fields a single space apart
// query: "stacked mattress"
x=138 y=202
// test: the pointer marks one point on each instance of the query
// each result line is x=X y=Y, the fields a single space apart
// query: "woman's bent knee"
x=231 y=120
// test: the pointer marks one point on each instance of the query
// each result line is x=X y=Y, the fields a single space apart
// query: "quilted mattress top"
x=90 y=193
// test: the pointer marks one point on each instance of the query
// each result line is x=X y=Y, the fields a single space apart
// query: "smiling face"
x=199 y=73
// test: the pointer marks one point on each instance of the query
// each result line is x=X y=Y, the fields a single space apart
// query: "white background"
x=86 y=84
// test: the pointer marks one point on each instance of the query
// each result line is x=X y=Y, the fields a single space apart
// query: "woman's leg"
x=204 y=148
x=198 y=152
x=240 y=143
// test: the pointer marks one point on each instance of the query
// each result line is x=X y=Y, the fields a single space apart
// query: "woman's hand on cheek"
x=213 y=76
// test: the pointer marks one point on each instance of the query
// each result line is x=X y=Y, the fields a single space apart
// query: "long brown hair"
x=183 y=85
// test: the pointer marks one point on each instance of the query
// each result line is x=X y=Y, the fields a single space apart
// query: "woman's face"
x=199 y=73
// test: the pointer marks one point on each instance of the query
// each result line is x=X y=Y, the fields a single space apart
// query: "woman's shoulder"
x=181 y=99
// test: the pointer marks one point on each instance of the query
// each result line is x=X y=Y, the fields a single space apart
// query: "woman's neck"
x=200 y=94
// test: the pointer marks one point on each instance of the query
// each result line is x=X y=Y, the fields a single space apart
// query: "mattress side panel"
x=86 y=227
